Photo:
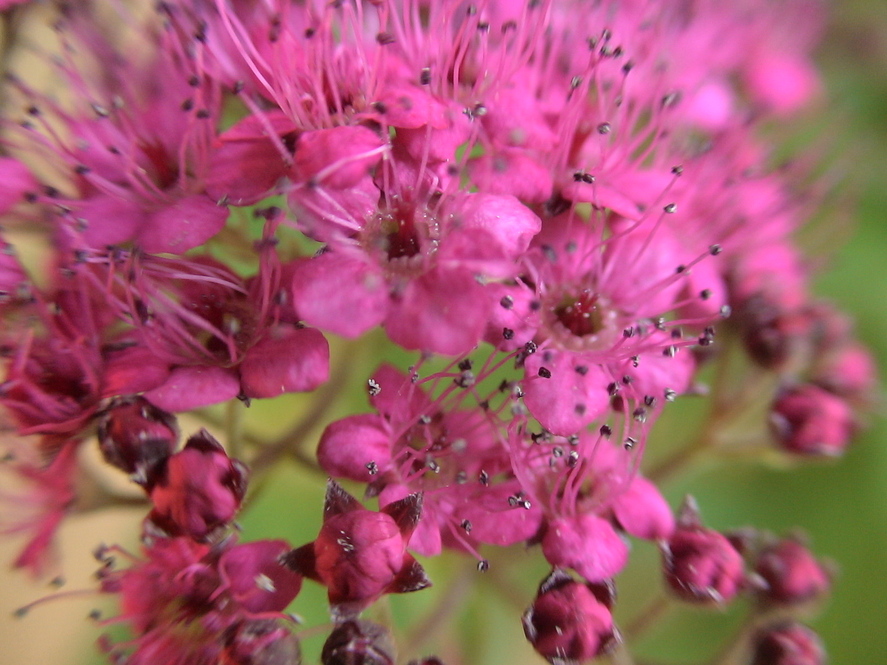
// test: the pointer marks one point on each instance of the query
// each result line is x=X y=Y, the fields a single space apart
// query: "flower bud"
x=701 y=565
x=360 y=554
x=792 y=573
x=135 y=436
x=358 y=642
x=808 y=420
x=261 y=642
x=197 y=490
x=789 y=643
x=568 y=622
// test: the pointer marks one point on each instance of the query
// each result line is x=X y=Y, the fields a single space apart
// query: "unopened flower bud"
x=360 y=554
x=808 y=420
x=567 y=622
x=358 y=642
x=135 y=436
x=792 y=573
x=701 y=565
x=262 y=642
x=197 y=490
x=789 y=643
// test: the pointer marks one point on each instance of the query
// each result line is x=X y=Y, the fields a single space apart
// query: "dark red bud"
x=135 y=436
x=808 y=420
x=789 y=643
x=792 y=573
x=567 y=623
x=700 y=564
x=197 y=490
x=261 y=642
x=358 y=642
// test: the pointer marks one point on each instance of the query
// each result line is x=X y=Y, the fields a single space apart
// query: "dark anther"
x=385 y=38
x=677 y=170
x=483 y=565
x=582 y=176
x=629 y=442
x=573 y=439
x=581 y=370
x=530 y=348
x=507 y=333
x=535 y=305
x=640 y=414
x=373 y=387
x=669 y=351
x=649 y=400
x=573 y=459
x=714 y=250
x=380 y=107
x=372 y=468
x=670 y=208
x=606 y=431
x=465 y=364
x=466 y=526
x=484 y=478
x=705 y=294
x=612 y=388
x=545 y=373
x=425 y=76
x=194 y=80
x=670 y=395
x=187 y=105
x=202 y=114
x=507 y=302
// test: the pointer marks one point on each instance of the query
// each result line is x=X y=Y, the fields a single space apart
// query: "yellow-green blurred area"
x=474 y=618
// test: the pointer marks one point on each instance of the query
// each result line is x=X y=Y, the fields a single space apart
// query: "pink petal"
x=339 y=293
x=443 y=311
x=134 y=369
x=184 y=225
x=573 y=396
x=193 y=387
x=15 y=182
x=349 y=447
x=287 y=360
x=509 y=222
x=109 y=220
x=338 y=158
x=588 y=544
x=643 y=512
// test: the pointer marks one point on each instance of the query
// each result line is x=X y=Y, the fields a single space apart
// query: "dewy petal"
x=588 y=544
x=286 y=360
x=573 y=396
x=184 y=225
x=339 y=293
x=193 y=387
x=643 y=512
x=350 y=447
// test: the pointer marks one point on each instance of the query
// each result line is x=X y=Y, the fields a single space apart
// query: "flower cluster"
x=558 y=208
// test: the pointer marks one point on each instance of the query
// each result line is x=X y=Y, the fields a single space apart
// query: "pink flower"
x=791 y=572
x=808 y=420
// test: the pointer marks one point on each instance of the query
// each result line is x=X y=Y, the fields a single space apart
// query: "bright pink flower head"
x=359 y=555
x=569 y=622
x=701 y=565
x=198 y=490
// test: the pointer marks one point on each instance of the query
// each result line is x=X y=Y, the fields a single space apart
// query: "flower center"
x=582 y=315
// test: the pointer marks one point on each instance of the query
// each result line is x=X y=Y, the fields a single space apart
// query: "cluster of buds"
x=558 y=208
